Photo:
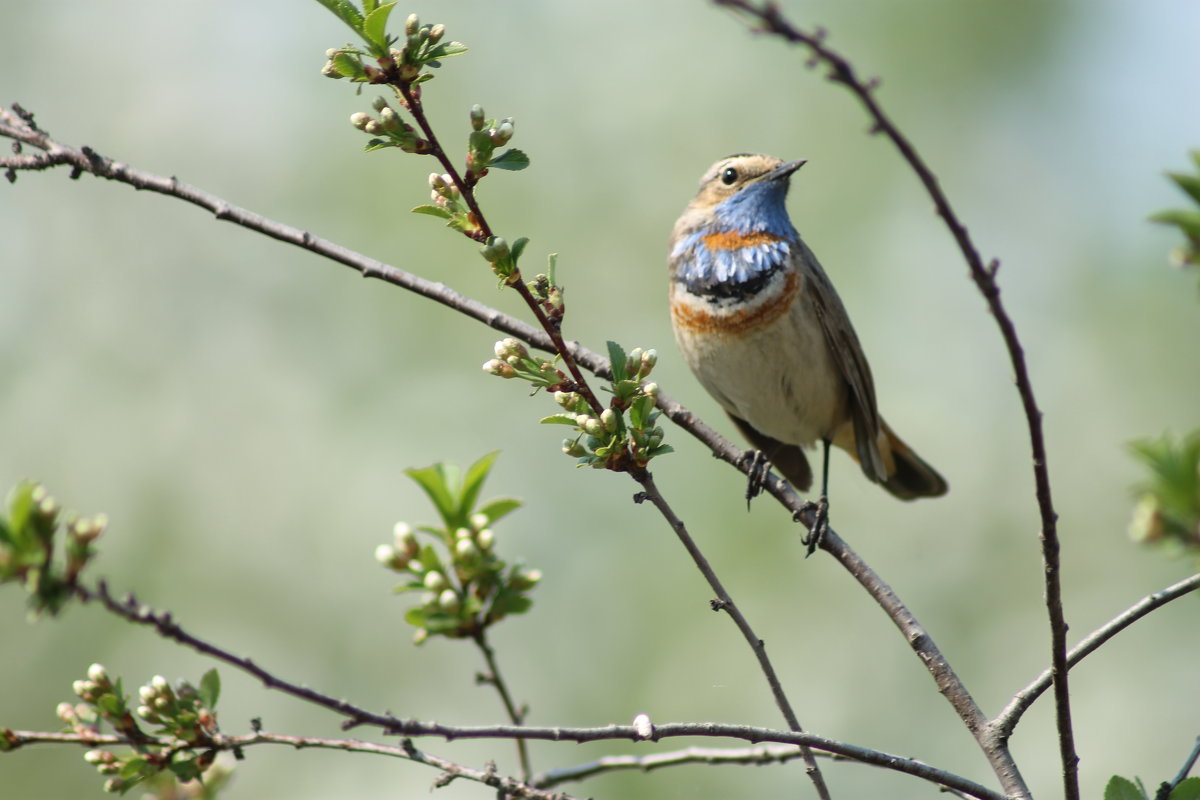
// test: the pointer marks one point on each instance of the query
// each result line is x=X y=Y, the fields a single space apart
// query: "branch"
x=724 y=602
x=406 y=750
x=1007 y=719
x=496 y=680
x=763 y=754
x=130 y=609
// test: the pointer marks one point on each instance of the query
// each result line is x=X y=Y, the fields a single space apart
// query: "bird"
x=765 y=333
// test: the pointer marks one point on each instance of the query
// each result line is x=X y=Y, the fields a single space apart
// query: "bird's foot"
x=820 y=524
x=757 y=472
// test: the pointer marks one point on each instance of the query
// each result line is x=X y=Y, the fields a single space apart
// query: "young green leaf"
x=476 y=474
x=374 y=28
x=434 y=481
x=496 y=509
x=433 y=211
x=446 y=50
x=1119 y=788
x=616 y=354
x=512 y=159
x=558 y=419
x=346 y=12
x=1188 y=789
x=210 y=688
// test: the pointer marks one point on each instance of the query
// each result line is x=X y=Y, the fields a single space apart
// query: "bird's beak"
x=784 y=171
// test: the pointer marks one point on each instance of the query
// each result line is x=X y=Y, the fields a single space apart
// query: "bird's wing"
x=848 y=355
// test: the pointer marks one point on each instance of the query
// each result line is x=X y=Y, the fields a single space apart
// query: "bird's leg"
x=759 y=466
x=821 y=523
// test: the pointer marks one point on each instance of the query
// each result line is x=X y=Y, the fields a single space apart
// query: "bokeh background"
x=243 y=410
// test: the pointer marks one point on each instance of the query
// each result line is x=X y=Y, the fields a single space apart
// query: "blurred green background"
x=243 y=411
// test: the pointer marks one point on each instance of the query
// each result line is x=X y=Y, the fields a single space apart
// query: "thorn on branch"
x=993 y=267
x=717 y=604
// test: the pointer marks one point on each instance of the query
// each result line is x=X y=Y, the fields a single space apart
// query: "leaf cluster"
x=1186 y=220
x=1168 y=508
x=183 y=737
x=465 y=586
x=28 y=550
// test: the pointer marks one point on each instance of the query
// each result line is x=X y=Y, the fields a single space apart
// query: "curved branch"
x=1007 y=719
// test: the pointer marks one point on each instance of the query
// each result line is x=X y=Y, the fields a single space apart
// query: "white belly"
x=778 y=376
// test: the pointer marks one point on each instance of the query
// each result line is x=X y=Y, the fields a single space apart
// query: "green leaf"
x=476 y=474
x=558 y=419
x=1189 y=184
x=518 y=247
x=1119 y=788
x=639 y=409
x=446 y=50
x=370 y=5
x=616 y=355
x=498 y=508
x=377 y=144
x=348 y=65
x=512 y=159
x=433 y=211
x=346 y=12
x=661 y=450
x=436 y=480
x=210 y=688
x=374 y=27
x=1188 y=789
x=1187 y=221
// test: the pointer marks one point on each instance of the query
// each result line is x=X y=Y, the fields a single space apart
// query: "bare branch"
x=494 y=679
x=724 y=602
x=1007 y=719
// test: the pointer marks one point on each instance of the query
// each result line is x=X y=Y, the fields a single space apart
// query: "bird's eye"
x=729 y=176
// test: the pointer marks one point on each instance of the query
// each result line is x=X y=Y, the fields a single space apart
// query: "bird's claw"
x=757 y=472
x=820 y=524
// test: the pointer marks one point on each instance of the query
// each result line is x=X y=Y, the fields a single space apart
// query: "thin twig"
x=515 y=715
x=724 y=602
x=551 y=328
x=1006 y=720
x=762 y=754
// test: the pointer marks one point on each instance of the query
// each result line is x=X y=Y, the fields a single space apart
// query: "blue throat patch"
x=748 y=241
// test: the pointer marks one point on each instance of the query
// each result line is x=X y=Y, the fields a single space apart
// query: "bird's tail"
x=910 y=477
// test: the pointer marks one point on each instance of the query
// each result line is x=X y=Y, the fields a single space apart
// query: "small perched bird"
x=765 y=333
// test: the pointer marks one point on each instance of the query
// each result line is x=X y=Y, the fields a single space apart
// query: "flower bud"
x=147 y=694
x=97 y=674
x=594 y=427
x=405 y=538
x=65 y=712
x=448 y=601
x=526 y=579
x=161 y=684
x=507 y=348
x=477 y=117
x=83 y=689
x=388 y=556
x=649 y=359
x=573 y=448
x=502 y=133
x=360 y=120
x=479 y=521
x=436 y=33
x=147 y=713
x=466 y=550
x=435 y=581
x=379 y=104
x=463 y=533
x=412 y=24
x=486 y=539
x=498 y=367
x=98 y=757
x=374 y=127
x=389 y=120
x=650 y=390
x=330 y=70
x=608 y=418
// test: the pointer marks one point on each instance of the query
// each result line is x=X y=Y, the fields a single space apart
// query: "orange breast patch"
x=732 y=240
x=743 y=318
